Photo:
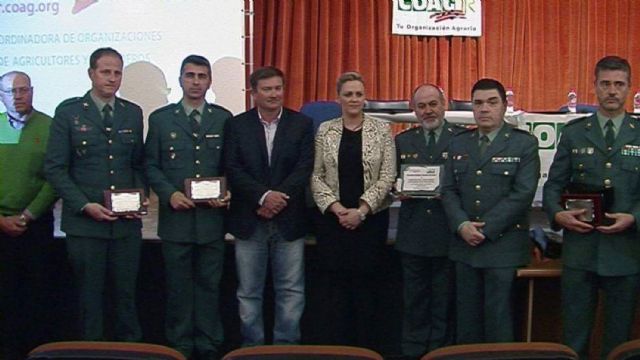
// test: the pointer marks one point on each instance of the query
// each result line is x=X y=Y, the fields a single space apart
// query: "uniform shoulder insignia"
x=576 y=121
x=408 y=130
x=218 y=107
x=70 y=101
x=169 y=107
x=463 y=130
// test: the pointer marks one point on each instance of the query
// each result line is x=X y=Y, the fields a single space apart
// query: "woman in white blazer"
x=353 y=173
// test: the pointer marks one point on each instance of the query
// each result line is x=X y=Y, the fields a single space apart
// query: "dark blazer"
x=582 y=157
x=173 y=155
x=250 y=175
x=497 y=188
x=83 y=160
x=422 y=223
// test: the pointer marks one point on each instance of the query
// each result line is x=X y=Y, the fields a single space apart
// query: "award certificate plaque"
x=421 y=180
x=125 y=201
x=205 y=189
x=596 y=201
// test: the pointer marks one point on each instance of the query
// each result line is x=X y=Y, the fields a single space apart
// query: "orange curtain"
x=540 y=48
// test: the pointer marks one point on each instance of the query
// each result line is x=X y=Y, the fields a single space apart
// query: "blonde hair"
x=346 y=77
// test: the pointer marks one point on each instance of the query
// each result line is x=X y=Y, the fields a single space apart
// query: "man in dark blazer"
x=95 y=144
x=185 y=142
x=490 y=180
x=423 y=237
x=269 y=160
x=597 y=152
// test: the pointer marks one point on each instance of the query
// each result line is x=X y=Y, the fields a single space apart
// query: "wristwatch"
x=363 y=217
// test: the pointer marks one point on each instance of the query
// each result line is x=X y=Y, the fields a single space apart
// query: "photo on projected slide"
x=52 y=40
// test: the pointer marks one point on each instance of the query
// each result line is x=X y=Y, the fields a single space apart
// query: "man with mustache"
x=26 y=220
x=601 y=153
x=491 y=177
x=422 y=241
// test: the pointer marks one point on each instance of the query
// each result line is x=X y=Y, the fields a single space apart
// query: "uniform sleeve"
x=157 y=179
x=559 y=177
x=57 y=161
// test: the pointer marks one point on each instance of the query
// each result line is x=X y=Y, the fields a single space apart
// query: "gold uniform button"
x=478 y=202
x=111 y=172
x=608 y=165
x=110 y=141
x=477 y=218
x=197 y=161
x=171 y=148
x=197 y=175
x=479 y=172
x=506 y=173
x=110 y=157
x=518 y=226
x=84 y=142
x=607 y=182
x=478 y=187
x=197 y=147
x=429 y=211
x=112 y=187
x=580 y=166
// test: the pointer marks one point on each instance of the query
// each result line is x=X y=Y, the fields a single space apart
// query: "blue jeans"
x=287 y=266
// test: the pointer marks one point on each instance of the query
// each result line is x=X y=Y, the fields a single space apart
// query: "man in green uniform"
x=491 y=178
x=185 y=141
x=422 y=240
x=95 y=145
x=26 y=220
x=597 y=152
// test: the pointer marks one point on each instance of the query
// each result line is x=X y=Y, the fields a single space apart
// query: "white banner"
x=437 y=17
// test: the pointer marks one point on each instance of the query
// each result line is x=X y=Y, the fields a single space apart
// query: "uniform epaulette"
x=70 y=101
x=575 y=121
x=221 y=108
x=168 y=107
x=409 y=129
x=464 y=130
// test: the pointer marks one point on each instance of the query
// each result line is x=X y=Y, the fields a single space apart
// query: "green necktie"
x=431 y=144
x=193 y=121
x=484 y=143
x=107 y=120
x=609 y=135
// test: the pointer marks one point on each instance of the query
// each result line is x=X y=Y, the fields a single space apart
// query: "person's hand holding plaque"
x=179 y=201
x=621 y=222
x=224 y=202
x=573 y=220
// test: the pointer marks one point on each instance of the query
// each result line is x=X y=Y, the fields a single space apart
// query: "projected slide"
x=52 y=41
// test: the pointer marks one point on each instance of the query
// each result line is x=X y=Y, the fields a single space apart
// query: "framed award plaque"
x=125 y=201
x=205 y=189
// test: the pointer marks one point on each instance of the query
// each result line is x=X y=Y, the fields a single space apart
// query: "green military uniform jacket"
x=422 y=223
x=84 y=159
x=582 y=157
x=174 y=154
x=497 y=188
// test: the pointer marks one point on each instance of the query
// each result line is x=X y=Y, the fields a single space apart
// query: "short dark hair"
x=490 y=84
x=613 y=62
x=96 y=55
x=195 y=60
x=348 y=76
x=262 y=73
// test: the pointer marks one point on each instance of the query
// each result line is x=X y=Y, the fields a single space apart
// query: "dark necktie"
x=431 y=144
x=484 y=143
x=609 y=135
x=193 y=121
x=107 y=120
